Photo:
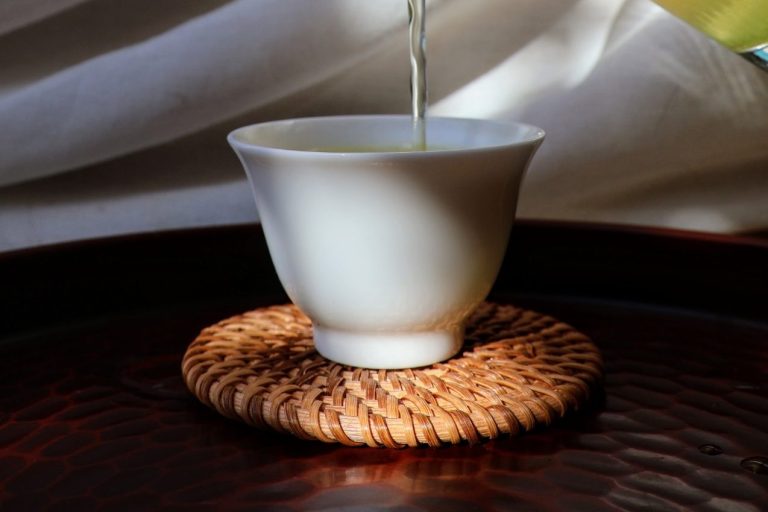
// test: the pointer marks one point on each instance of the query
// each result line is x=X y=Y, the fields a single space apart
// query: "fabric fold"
x=243 y=55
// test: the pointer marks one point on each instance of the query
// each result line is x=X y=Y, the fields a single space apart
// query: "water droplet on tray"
x=756 y=465
x=710 y=449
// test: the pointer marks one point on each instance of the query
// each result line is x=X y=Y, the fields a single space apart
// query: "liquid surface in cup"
x=382 y=148
x=741 y=25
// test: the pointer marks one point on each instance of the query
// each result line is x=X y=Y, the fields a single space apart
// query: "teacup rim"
x=234 y=138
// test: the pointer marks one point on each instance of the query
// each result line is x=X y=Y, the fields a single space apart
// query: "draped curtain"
x=113 y=113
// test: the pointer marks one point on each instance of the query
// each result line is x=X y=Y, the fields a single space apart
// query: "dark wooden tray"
x=94 y=415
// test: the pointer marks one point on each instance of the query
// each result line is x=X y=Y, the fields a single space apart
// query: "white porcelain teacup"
x=387 y=250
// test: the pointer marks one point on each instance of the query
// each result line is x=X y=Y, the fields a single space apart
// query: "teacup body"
x=386 y=250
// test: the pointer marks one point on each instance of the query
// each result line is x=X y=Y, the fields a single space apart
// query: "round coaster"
x=518 y=369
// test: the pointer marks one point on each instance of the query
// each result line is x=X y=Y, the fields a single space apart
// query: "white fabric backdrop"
x=113 y=114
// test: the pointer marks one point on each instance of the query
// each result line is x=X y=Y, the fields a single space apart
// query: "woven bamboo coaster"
x=518 y=369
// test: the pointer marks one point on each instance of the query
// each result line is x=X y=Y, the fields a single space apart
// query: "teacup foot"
x=388 y=350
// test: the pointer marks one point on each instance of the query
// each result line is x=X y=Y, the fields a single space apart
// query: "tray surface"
x=94 y=416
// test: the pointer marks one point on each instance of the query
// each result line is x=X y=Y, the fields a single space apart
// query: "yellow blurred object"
x=741 y=25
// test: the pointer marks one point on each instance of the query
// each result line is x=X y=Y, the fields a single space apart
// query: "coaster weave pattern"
x=518 y=369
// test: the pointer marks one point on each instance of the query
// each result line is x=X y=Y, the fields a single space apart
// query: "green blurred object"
x=740 y=25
